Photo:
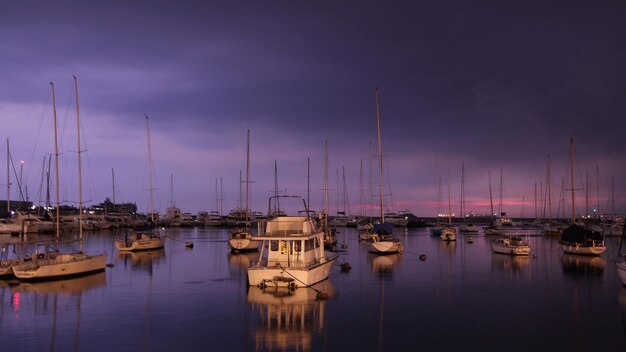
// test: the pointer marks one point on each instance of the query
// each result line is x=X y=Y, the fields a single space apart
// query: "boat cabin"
x=291 y=241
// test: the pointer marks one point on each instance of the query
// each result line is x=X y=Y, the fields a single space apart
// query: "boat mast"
x=612 y=195
x=113 y=182
x=346 y=201
x=598 y=191
x=361 y=190
x=56 y=162
x=571 y=156
x=463 y=191
x=380 y=160
x=490 y=195
x=80 y=176
x=172 y=190
x=247 y=176
x=150 y=170
x=371 y=177
x=500 y=205
x=549 y=191
x=449 y=202
x=326 y=184
x=8 y=182
x=308 y=183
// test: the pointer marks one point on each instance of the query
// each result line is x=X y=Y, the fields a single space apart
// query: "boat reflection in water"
x=140 y=259
x=382 y=267
x=383 y=264
x=514 y=264
x=66 y=286
x=289 y=318
x=241 y=259
x=583 y=265
x=61 y=300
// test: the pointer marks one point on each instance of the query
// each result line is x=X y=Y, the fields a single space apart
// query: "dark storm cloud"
x=497 y=84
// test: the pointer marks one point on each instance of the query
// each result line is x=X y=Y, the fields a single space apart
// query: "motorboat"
x=291 y=253
x=513 y=245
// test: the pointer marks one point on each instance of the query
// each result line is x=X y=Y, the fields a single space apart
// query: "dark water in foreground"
x=461 y=298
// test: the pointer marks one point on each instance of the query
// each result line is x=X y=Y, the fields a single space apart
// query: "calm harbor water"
x=462 y=296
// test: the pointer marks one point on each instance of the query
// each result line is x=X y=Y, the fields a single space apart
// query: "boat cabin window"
x=309 y=244
x=273 y=246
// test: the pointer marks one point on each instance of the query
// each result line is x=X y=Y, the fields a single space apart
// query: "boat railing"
x=282 y=263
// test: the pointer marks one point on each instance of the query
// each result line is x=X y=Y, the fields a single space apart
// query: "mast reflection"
x=140 y=260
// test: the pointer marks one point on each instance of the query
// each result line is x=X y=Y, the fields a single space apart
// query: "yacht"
x=291 y=253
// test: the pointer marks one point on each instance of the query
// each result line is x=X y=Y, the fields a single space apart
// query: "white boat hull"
x=243 y=244
x=512 y=250
x=144 y=242
x=289 y=276
x=60 y=265
x=383 y=247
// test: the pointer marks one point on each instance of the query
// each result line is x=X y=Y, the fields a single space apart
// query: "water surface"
x=462 y=297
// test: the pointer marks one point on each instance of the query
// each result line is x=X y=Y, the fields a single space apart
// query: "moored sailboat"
x=578 y=239
x=52 y=265
x=381 y=238
x=148 y=239
x=241 y=238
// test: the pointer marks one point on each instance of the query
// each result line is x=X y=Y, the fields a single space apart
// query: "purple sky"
x=494 y=84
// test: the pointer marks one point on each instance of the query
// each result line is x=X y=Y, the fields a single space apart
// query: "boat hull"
x=259 y=275
x=142 y=243
x=448 y=234
x=61 y=265
x=383 y=247
x=512 y=250
x=583 y=250
x=243 y=244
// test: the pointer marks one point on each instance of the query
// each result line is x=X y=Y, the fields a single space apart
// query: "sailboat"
x=381 y=239
x=465 y=226
x=57 y=264
x=494 y=228
x=241 y=239
x=578 y=239
x=173 y=217
x=330 y=236
x=148 y=239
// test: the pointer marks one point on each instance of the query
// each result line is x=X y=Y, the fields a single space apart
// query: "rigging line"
x=42 y=115
x=19 y=186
